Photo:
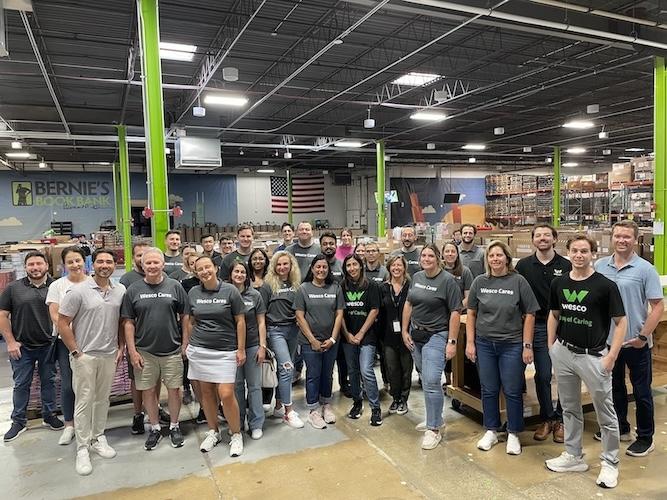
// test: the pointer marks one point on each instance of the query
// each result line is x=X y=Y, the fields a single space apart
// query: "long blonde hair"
x=272 y=278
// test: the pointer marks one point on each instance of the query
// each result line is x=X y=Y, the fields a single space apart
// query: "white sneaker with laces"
x=316 y=420
x=421 y=426
x=431 y=439
x=328 y=414
x=210 y=441
x=488 y=441
x=566 y=463
x=279 y=412
x=256 y=434
x=236 y=445
x=102 y=448
x=293 y=420
x=608 y=477
x=513 y=446
x=83 y=465
x=67 y=436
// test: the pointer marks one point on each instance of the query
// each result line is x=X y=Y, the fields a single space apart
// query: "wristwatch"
x=75 y=353
x=451 y=341
x=643 y=338
x=527 y=345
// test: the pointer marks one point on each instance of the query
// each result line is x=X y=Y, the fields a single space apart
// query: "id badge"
x=397 y=327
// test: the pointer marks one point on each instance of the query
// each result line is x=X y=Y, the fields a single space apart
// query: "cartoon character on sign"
x=21 y=194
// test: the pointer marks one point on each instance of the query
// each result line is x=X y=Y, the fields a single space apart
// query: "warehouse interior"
x=426 y=112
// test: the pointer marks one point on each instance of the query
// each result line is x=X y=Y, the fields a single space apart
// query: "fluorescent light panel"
x=17 y=145
x=225 y=100
x=349 y=144
x=579 y=124
x=474 y=147
x=177 y=51
x=570 y=164
x=21 y=155
x=576 y=151
x=265 y=171
x=432 y=116
x=634 y=150
x=416 y=79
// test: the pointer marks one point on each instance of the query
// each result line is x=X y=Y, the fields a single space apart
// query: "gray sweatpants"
x=571 y=370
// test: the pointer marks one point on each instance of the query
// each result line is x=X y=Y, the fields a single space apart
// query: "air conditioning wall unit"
x=198 y=153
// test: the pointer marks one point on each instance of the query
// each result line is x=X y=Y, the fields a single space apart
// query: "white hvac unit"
x=198 y=153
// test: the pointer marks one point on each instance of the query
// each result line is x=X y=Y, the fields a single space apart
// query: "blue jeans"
x=639 y=362
x=250 y=374
x=282 y=341
x=66 y=391
x=500 y=363
x=542 y=362
x=319 y=375
x=360 y=360
x=22 y=370
x=430 y=361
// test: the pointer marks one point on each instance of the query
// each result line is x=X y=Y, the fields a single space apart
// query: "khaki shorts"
x=168 y=368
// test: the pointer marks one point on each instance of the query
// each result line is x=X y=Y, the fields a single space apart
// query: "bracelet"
x=333 y=340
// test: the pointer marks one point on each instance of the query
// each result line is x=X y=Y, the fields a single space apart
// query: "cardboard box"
x=621 y=173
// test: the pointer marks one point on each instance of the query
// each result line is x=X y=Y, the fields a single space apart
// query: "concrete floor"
x=349 y=459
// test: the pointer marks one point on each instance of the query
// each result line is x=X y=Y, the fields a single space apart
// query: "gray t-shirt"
x=433 y=300
x=155 y=310
x=412 y=258
x=336 y=270
x=500 y=303
x=304 y=256
x=214 y=311
x=379 y=274
x=254 y=305
x=464 y=281
x=319 y=305
x=473 y=259
x=133 y=276
x=280 y=307
x=95 y=316
x=229 y=260
x=172 y=263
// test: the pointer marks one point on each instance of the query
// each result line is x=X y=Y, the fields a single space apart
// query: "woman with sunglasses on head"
x=430 y=329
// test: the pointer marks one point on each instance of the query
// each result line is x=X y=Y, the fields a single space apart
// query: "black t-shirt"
x=540 y=276
x=392 y=310
x=586 y=309
x=189 y=283
x=358 y=304
x=26 y=303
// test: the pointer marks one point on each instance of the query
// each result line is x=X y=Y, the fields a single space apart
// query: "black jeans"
x=399 y=370
x=639 y=363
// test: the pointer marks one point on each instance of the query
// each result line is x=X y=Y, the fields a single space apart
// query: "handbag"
x=420 y=336
x=269 y=370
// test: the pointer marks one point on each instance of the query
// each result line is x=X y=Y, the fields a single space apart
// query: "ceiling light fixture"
x=430 y=116
x=17 y=145
x=241 y=153
x=287 y=155
x=225 y=100
x=265 y=163
x=527 y=149
x=575 y=151
x=430 y=145
x=499 y=131
x=474 y=147
x=21 y=155
x=570 y=164
x=42 y=164
x=579 y=124
x=350 y=165
x=603 y=135
x=626 y=158
x=349 y=143
x=413 y=79
x=265 y=171
x=634 y=150
x=177 y=51
x=606 y=152
x=369 y=122
x=472 y=160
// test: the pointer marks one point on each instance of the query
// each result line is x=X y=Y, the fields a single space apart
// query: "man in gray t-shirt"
x=304 y=250
x=173 y=259
x=472 y=256
x=409 y=251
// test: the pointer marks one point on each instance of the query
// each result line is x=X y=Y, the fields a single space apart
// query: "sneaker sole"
x=136 y=432
x=392 y=412
x=432 y=447
x=607 y=486
x=153 y=447
x=576 y=468
x=489 y=448
x=177 y=445
x=354 y=417
x=403 y=412
x=640 y=454
x=17 y=435
x=376 y=424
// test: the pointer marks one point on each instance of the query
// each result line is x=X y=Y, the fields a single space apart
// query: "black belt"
x=593 y=351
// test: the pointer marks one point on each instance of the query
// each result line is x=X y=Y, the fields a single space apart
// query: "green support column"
x=126 y=210
x=379 y=195
x=149 y=29
x=118 y=199
x=660 y=149
x=555 y=218
x=289 y=198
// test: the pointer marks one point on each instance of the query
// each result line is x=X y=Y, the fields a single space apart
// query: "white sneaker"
x=102 y=448
x=236 y=445
x=608 y=477
x=83 y=465
x=328 y=414
x=210 y=441
x=513 y=446
x=316 y=420
x=279 y=412
x=67 y=436
x=488 y=441
x=566 y=463
x=267 y=407
x=431 y=439
x=293 y=420
x=256 y=434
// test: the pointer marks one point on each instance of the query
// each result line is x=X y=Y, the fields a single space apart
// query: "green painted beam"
x=158 y=189
x=118 y=198
x=290 y=217
x=379 y=195
x=126 y=207
x=660 y=149
x=555 y=217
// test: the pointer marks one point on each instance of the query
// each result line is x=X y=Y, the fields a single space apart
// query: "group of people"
x=206 y=321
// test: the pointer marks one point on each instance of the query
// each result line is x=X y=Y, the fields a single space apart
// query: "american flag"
x=307 y=194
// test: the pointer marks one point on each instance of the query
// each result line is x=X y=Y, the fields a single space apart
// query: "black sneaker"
x=138 y=424
x=187 y=398
x=393 y=408
x=53 y=423
x=153 y=439
x=641 y=447
x=376 y=417
x=14 y=431
x=356 y=410
x=176 y=437
x=165 y=418
x=200 y=418
x=402 y=408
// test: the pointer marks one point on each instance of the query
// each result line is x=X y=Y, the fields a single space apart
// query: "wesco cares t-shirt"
x=280 y=307
x=254 y=305
x=433 y=300
x=213 y=312
x=319 y=305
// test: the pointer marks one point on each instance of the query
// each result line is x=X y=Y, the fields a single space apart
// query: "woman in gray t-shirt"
x=499 y=336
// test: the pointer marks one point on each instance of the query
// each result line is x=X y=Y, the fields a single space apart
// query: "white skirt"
x=209 y=365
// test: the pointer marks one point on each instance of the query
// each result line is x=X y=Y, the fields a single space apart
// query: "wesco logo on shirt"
x=574 y=296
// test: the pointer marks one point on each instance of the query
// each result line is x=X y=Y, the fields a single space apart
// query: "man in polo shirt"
x=29 y=339
x=409 y=250
x=639 y=284
x=540 y=269
x=329 y=244
x=245 y=236
x=88 y=322
x=173 y=260
x=151 y=308
x=472 y=256
x=583 y=305
x=305 y=249
x=374 y=270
